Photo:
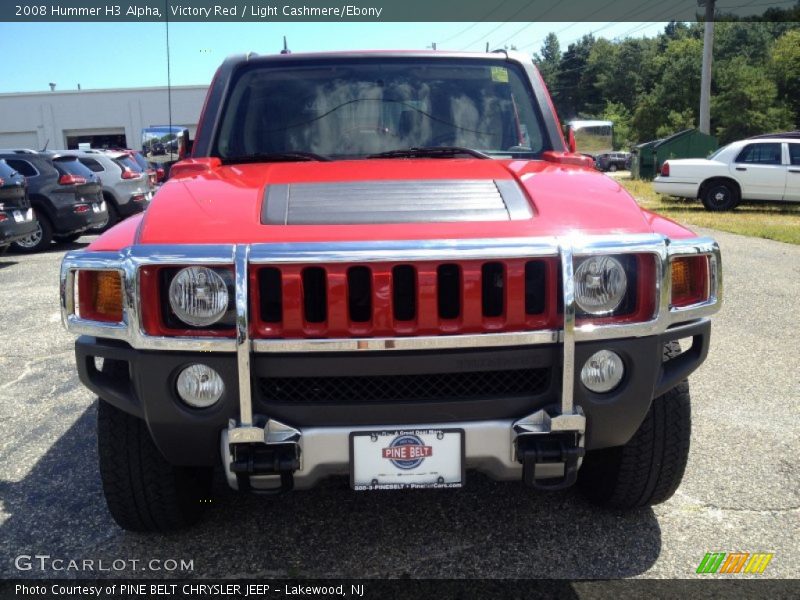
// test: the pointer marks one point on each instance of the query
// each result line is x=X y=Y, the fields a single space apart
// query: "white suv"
x=761 y=168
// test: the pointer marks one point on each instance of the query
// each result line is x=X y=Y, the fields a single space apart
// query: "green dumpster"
x=689 y=143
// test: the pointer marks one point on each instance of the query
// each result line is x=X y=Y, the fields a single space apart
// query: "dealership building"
x=103 y=118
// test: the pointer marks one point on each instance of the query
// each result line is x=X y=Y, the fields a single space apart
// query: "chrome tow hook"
x=544 y=442
x=267 y=452
x=553 y=449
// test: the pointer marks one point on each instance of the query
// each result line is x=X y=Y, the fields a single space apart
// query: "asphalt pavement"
x=740 y=492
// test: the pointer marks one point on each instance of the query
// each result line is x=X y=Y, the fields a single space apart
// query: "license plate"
x=407 y=459
x=18 y=216
x=99 y=207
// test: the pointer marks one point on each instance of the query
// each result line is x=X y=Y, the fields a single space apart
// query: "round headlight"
x=600 y=284
x=198 y=296
x=602 y=372
x=200 y=386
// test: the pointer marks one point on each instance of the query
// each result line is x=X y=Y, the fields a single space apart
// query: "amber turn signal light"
x=689 y=280
x=100 y=295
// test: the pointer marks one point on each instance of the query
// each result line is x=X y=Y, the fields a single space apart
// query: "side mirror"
x=164 y=145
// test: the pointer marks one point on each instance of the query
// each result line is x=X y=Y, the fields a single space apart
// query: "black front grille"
x=404 y=388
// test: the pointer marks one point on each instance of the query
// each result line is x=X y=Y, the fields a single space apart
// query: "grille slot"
x=409 y=388
x=493 y=289
x=534 y=287
x=359 y=294
x=315 y=297
x=448 y=287
x=404 y=292
x=270 y=290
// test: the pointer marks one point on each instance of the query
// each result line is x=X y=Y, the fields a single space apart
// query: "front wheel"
x=649 y=468
x=142 y=490
x=612 y=168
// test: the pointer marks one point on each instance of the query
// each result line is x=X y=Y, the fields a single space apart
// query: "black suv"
x=614 y=161
x=66 y=197
x=16 y=215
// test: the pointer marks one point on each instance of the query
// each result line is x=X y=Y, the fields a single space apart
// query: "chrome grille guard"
x=240 y=257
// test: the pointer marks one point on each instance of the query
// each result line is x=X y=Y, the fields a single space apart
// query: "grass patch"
x=769 y=220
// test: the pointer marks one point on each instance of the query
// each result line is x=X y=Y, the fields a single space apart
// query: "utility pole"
x=705 y=78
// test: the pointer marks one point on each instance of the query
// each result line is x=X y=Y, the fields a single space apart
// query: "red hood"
x=223 y=204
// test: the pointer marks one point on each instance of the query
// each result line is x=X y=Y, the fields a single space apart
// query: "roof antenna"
x=169 y=82
x=45 y=145
x=285 y=47
x=487 y=47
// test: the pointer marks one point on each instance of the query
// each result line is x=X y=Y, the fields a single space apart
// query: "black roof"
x=795 y=135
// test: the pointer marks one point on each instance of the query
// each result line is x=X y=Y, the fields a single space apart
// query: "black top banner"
x=389 y=10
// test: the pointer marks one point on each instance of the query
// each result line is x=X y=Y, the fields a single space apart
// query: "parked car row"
x=60 y=195
x=765 y=168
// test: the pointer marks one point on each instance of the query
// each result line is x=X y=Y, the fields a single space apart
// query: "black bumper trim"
x=191 y=437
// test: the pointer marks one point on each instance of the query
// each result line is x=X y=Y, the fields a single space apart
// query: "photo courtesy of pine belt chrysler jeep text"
x=387 y=265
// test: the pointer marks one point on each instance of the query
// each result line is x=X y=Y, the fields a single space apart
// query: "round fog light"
x=602 y=372
x=200 y=386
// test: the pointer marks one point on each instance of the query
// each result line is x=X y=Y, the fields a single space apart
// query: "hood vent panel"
x=428 y=201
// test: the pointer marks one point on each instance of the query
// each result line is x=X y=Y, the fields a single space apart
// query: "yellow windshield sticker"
x=500 y=74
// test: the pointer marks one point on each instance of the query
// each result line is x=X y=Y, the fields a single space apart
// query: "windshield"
x=353 y=109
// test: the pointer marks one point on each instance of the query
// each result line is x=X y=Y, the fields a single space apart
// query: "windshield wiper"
x=275 y=157
x=430 y=152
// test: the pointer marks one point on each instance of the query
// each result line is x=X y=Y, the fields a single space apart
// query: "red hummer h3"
x=388 y=265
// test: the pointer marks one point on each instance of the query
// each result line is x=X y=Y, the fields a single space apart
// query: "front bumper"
x=192 y=437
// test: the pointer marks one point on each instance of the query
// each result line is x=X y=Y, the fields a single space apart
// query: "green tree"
x=746 y=102
x=548 y=60
x=785 y=68
x=647 y=117
x=571 y=91
x=623 y=131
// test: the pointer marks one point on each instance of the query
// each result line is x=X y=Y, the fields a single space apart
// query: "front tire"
x=612 y=168
x=649 y=468
x=142 y=490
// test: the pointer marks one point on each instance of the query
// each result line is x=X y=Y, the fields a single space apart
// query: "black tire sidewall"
x=728 y=201
x=143 y=491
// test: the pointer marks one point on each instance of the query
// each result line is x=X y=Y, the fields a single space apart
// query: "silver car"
x=127 y=190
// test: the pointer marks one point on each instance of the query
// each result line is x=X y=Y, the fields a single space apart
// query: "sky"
x=118 y=55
